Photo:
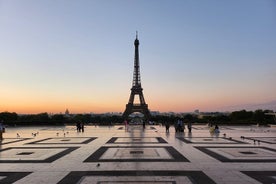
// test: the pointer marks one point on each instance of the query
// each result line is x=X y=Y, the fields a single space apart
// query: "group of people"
x=179 y=126
x=214 y=129
x=80 y=127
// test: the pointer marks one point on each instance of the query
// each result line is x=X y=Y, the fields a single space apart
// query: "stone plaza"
x=116 y=155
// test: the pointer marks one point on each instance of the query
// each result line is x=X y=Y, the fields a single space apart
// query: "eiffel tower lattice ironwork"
x=136 y=89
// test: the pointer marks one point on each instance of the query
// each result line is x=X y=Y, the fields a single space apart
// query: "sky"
x=211 y=55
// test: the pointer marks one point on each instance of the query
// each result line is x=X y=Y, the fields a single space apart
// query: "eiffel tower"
x=136 y=89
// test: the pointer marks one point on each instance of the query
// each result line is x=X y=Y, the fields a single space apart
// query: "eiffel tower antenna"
x=136 y=89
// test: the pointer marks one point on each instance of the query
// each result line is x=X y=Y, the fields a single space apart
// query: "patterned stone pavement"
x=113 y=155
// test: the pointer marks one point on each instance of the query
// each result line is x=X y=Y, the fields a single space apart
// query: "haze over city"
x=207 y=55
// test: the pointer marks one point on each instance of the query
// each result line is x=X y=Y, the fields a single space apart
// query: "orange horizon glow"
x=31 y=102
x=34 y=107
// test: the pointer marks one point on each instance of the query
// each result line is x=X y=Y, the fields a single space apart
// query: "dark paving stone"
x=268 y=140
x=222 y=158
x=13 y=140
x=176 y=156
x=25 y=153
x=136 y=140
x=208 y=139
x=247 y=152
x=11 y=177
x=136 y=152
x=266 y=177
x=47 y=160
x=64 y=140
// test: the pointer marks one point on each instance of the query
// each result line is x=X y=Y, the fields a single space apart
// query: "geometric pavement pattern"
x=33 y=154
x=11 y=177
x=136 y=140
x=239 y=153
x=172 y=177
x=12 y=140
x=268 y=140
x=113 y=155
x=136 y=154
x=210 y=140
x=262 y=176
x=65 y=140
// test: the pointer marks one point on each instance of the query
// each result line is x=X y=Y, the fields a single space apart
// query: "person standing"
x=167 y=127
x=78 y=125
x=216 y=129
x=189 y=127
x=82 y=127
x=126 y=125
x=2 y=130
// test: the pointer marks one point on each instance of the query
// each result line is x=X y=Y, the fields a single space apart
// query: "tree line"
x=12 y=118
x=236 y=117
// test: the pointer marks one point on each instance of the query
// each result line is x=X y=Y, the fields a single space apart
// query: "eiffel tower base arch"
x=141 y=108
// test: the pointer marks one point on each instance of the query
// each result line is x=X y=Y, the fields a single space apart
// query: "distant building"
x=154 y=113
x=67 y=114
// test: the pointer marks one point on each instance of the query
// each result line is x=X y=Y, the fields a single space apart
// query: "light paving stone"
x=114 y=155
